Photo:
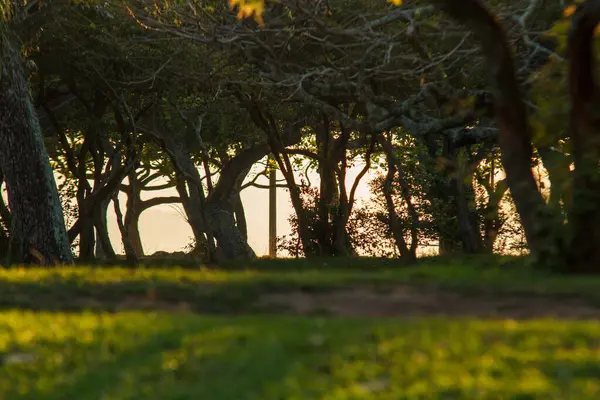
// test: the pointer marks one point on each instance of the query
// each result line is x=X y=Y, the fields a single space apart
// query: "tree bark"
x=327 y=188
x=438 y=194
x=266 y=123
x=133 y=212
x=394 y=220
x=223 y=203
x=469 y=232
x=87 y=239
x=104 y=248
x=491 y=213
x=32 y=192
x=133 y=230
x=195 y=217
x=240 y=216
x=406 y=196
x=229 y=238
x=189 y=187
x=540 y=224
x=584 y=216
x=342 y=243
x=130 y=254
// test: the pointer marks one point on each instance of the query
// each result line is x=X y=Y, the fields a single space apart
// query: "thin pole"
x=273 y=213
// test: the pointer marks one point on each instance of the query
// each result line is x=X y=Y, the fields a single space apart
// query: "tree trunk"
x=541 y=226
x=469 y=233
x=240 y=216
x=459 y=187
x=342 y=242
x=393 y=164
x=5 y=231
x=132 y=215
x=130 y=254
x=309 y=247
x=326 y=204
x=87 y=238
x=267 y=124
x=324 y=231
x=394 y=220
x=4 y=211
x=584 y=216
x=193 y=214
x=491 y=214
x=438 y=194
x=190 y=189
x=86 y=223
x=229 y=238
x=198 y=212
x=104 y=248
x=221 y=208
x=447 y=246
x=32 y=192
x=133 y=230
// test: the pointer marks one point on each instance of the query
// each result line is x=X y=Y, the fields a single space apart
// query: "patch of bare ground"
x=136 y=304
x=407 y=302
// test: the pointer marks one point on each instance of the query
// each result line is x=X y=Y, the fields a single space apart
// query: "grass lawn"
x=209 y=290
x=65 y=320
x=160 y=356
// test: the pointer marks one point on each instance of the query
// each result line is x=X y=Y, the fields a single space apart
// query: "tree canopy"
x=470 y=121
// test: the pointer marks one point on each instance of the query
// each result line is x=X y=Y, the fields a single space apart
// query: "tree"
x=543 y=226
x=33 y=196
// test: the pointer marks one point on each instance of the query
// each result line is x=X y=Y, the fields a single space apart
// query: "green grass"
x=84 y=350
x=235 y=289
x=159 y=356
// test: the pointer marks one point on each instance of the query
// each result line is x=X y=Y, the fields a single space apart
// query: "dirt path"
x=405 y=301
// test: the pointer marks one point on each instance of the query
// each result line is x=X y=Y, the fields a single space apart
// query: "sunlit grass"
x=159 y=356
x=217 y=290
x=135 y=355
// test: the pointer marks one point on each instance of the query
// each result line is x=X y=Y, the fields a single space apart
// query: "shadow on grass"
x=237 y=289
x=164 y=358
x=137 y=356
x=114 y=297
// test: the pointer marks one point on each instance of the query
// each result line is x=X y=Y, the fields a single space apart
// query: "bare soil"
x=406 y=302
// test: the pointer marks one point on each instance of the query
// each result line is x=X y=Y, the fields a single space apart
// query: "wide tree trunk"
x=194 y=214
x=232 y=244
x=221 y=208
x=87 y=239
x=189 y=186
x=32 y=192
x=584 y=216
x=470 y=236
x=133 y=230
x=133 y=213
x=541 y=226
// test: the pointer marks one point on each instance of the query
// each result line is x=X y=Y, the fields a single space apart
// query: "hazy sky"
x=164 y=227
